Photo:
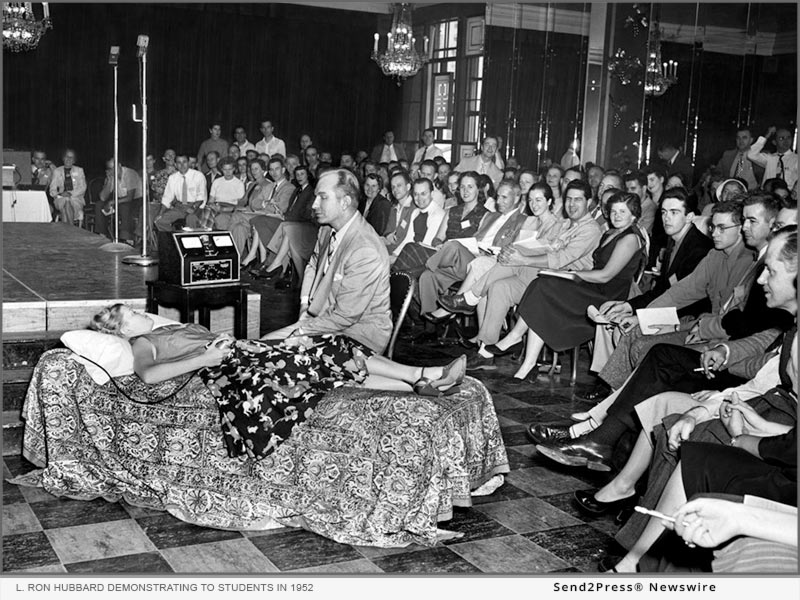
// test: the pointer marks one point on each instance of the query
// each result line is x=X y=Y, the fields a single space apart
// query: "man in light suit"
x=346 y=283
x=388 y=150
x=734 y=163
x=449 y=264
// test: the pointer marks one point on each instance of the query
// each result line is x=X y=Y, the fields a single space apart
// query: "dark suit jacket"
x=380 y=215
x=681 y=165
x=726 y=162
x=300 y=205
x=692 y=250
x=378 y=150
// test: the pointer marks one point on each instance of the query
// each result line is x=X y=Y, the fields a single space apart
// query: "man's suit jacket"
x=300 y=203
x=380 y=215
x=725 y=165
x=693 y=249
x=378 y=150
x=507 y=233
x=282 y=196
x=681 y=165
x=351 y=296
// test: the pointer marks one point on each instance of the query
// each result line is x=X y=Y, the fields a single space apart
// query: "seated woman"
x=542 y=225
x=264 y=211
x=265 y=388
x=553 y=310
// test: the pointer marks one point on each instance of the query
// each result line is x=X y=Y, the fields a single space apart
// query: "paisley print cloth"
x=367 y=467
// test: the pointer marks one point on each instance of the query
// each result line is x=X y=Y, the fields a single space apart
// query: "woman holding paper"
x=553 y=309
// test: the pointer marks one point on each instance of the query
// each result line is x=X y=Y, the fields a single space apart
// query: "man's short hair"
x=215 y=124
x=508 y=183
x=311 y=147
x=429 y=162
x=770 y=202
x=424 y=181
x=400 y=173
x=579 y=184
x=731 y=207
x=616 y=175
x=227 y=161
x=788 y=202
x=276 y=159
x=210 y=152
x=424 y=131
x=346 y=185
x=440 y=160
x=637 y=176
x=667 y=145
x=688 y=200
x=575 y=169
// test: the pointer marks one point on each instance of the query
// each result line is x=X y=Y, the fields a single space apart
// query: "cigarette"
x=653 y=513
x=698 y=369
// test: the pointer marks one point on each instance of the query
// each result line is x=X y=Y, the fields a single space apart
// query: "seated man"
x=671 y=367
x=503 y=286
x=226 y=195
x=685 y=248
x=129 y=195
x=184 y=194
x=714 y=278
x=345 y=287
x=421 y=231
x=449 y=265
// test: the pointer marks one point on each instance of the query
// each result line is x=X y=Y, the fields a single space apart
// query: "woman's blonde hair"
x=109 y=320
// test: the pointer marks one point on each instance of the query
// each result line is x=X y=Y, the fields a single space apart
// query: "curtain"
x=305 y=69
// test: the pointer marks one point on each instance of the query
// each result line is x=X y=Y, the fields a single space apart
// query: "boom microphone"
x=142 y=43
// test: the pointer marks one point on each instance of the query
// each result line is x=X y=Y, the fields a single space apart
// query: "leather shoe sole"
x=574 y=457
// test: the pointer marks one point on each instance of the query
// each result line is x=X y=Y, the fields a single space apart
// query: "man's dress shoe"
x=548 y=434
x=455 y=303
x=579 y=452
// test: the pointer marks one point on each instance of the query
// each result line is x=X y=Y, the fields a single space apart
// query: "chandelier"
x=658 y=76
x=401 y=59
x=21 y=30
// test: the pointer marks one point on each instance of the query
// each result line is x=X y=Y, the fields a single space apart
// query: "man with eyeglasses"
x=782 y=164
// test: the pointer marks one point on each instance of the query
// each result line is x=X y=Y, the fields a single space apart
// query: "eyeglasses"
x=720 y=228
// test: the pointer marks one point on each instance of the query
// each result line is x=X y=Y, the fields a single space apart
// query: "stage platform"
x=55 y=277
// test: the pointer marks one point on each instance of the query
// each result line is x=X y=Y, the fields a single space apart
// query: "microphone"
x=113 y=55
x=142 y=43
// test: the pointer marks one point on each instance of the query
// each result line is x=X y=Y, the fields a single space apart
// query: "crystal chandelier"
x=21 y=29
x=658 y=75
x=401 y=59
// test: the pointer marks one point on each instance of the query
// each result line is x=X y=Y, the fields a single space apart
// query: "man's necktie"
x=781 y=167
x=331 y=250
x=740 y=165
x=424 y=154
x=67 y=180
x=184 y=190
x=420 y=226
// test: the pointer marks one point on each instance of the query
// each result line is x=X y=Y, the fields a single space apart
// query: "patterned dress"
x=265 y=388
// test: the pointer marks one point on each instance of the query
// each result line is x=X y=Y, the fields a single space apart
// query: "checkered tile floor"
x=529 y=525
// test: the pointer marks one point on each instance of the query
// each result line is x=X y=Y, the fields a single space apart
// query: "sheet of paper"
x=489 y=249
x=561 y=274
x=653 y=320
x=469 y=243
x=594 y=314
x=531 y=242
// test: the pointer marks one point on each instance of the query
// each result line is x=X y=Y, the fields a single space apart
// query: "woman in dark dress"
x=553 y=309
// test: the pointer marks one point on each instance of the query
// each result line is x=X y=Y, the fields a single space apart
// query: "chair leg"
x=575 y=353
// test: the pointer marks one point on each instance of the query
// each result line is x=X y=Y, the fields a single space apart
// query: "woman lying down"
x=365 y=466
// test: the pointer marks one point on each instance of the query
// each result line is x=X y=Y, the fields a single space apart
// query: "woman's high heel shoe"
x=589 y=504
x=448 y=384
x=494 y=350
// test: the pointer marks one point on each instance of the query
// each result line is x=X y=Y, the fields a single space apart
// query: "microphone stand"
x=143 y=260
x=116 y=245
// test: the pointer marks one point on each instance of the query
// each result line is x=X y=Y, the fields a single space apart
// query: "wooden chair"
x=401 y=291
